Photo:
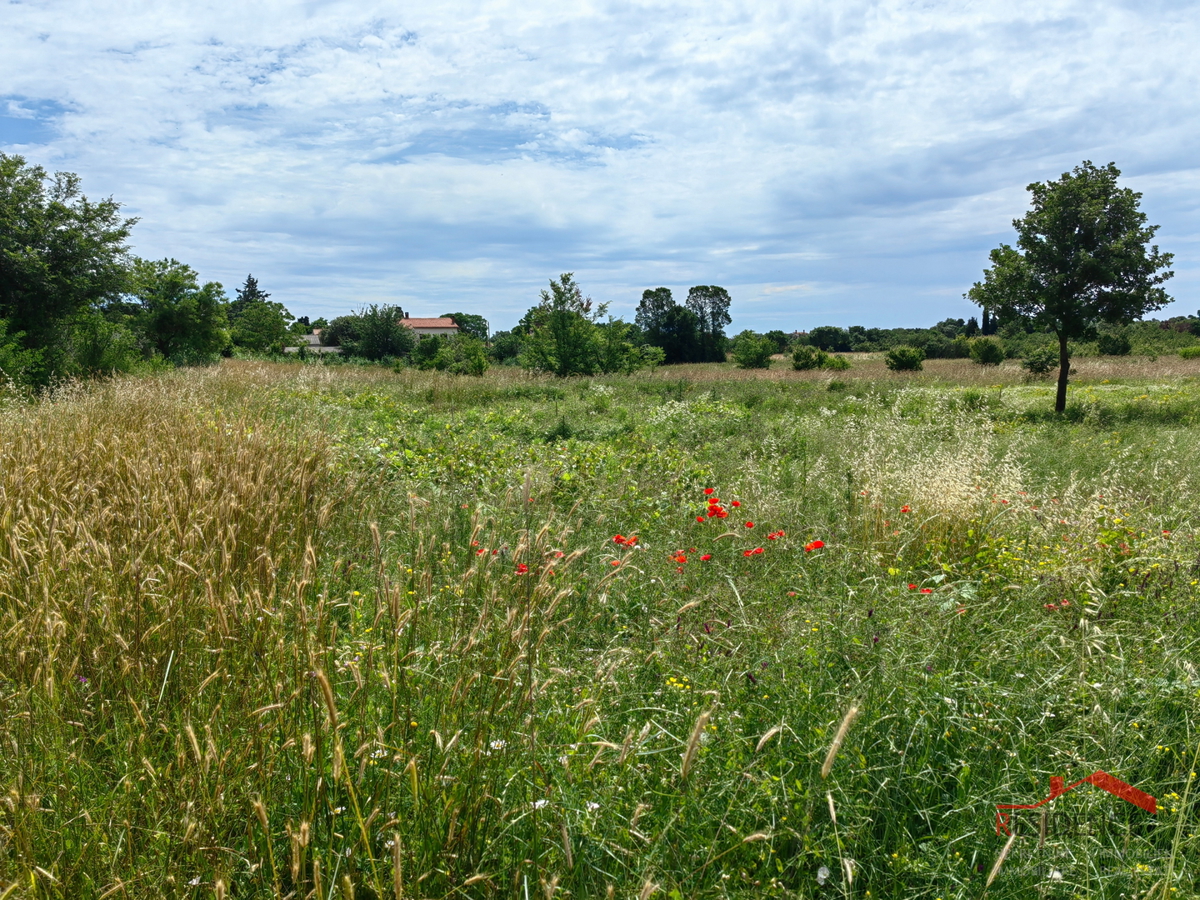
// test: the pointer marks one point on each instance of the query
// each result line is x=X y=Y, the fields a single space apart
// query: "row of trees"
x=568 y=334
x=75 y=301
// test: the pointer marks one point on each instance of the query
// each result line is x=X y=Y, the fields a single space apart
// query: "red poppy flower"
x=618 y=539
x=912 y=587
x=699 y=518
x=481 y=551
x=522 y=568
x=1049 y=606
x=631 y=540
x=706 y=557
x=749 y=524
x=615 y=562
x=735 y=503
x=906 y=508
x=813 y=545
x=558 y=554
x=710 y=491
x=758 y=550
x=679 y=558
x=721 y=514
x=926 y=590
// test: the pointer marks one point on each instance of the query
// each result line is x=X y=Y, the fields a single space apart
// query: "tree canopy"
x=470 y=324
x=710 y=305
x=61 y=255
x=1081 y=259
x=183 y=320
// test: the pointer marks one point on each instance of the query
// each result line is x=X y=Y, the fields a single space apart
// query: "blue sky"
x=828 y=163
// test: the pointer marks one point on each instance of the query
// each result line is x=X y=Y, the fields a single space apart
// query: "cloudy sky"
x=827 y=162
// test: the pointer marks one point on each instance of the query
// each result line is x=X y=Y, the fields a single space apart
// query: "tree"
x=780 y=339
x=711 y=307
x=183 y=320
x=248 y=293
x=255 y=323
x=830 y=338
x=563 y=337
x=61 y=255
x=673 y=328
x=468 y=323
x=1081 y=259
x=656 y=304
x=260 y=326
x=373 y=333
x=678 y=335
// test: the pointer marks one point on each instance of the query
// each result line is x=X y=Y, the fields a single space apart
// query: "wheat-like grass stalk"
x=838 y=738
x=693 y=744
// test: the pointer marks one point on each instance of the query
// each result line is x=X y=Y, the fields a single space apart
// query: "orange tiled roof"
x=444 y=322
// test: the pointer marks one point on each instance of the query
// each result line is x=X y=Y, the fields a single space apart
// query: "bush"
x=458 y=354
x=1190 y=353
x=1041 y=361
x=905 y=359
x=805 y=358
x=753 y=352
x=1113 y=343
x=987 y=351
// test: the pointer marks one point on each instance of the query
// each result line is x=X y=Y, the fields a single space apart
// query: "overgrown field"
x=294 y=630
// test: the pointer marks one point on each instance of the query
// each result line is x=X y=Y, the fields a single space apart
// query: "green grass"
x=313 y=631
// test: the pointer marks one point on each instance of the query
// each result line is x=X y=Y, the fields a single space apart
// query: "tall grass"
x=309 y=631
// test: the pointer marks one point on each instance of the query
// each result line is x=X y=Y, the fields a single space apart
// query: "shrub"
x=987 y=351
x=753 y=352
x=1190 y=353
x=1041 y=361
x=905 y=359
x=805 y=358
x=1113 y=343
x=425 y=354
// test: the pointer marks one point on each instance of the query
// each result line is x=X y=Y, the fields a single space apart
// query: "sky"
x=828 y=163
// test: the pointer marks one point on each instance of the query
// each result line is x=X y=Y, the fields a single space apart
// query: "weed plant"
x=294 y=630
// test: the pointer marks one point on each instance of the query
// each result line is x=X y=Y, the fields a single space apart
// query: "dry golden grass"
x=962 y=372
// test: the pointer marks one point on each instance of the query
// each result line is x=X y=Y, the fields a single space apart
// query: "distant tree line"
x=567 y=334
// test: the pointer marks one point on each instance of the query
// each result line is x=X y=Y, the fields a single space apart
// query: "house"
x=423 y=327
x=311 y=343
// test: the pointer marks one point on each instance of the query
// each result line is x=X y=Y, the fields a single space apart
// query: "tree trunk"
x=1064 y=370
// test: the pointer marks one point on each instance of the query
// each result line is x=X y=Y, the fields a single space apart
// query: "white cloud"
x=458 y=155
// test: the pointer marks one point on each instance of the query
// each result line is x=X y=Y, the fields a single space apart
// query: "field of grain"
x=316 y=631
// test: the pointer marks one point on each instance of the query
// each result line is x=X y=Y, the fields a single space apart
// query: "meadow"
x=317 y=631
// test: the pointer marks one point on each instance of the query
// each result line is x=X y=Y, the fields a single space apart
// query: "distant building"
x=311 y=343
x=423 y=327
